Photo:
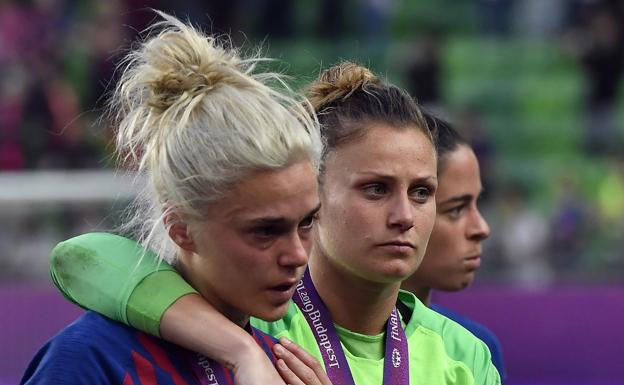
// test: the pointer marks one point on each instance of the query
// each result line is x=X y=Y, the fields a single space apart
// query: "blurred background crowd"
x=533 y=84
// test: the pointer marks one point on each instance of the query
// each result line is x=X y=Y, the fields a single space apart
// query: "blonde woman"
x=224 y=156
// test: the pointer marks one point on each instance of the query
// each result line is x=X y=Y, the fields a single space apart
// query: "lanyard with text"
x=396 y=364
x=210 y=372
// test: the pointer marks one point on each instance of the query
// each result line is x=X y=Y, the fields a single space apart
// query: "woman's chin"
x=398 y=271
x=389 y=276
x=456 y=285
x=271 y=313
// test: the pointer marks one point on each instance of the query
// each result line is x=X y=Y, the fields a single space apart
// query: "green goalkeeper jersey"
x=116 y=277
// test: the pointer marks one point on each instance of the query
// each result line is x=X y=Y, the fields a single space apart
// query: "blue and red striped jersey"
x=96 y=350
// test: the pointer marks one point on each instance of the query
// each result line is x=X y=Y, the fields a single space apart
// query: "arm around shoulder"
x=102 y=272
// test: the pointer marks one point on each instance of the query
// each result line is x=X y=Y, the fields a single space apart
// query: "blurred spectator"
x=12 y=94
x=524 y=235
x=13 y=30
x=598 y=42
x=539 y=18
x=332 y=21
x=470 y=124
x=57 y=63
x=40 y=109
x=374 y=16
x=68 y=147
x=424 y=67
x=105 y=36
x=569 y=224
x=610 y=204
x=495 y=16
x=611 y=194
x=278 y=19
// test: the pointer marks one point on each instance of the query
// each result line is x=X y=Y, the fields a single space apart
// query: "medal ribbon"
x=396 y=364
x=209 y=372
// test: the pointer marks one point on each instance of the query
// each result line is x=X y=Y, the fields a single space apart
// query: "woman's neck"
x=188 y=273
x=355 y=303
x=423 y=294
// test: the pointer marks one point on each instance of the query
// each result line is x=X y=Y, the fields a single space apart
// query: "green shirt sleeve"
x=118 y=278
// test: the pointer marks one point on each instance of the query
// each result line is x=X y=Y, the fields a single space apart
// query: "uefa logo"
x=396 y=358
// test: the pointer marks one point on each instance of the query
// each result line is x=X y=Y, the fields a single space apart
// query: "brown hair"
x=447 y=138
x=347 y=96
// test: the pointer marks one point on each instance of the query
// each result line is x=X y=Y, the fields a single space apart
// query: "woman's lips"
x=282 y=292
x=473 y=262
x=398 y=247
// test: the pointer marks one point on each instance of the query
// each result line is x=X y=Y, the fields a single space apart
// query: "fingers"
x=288 y=375
x=305 y=357
x=299 y=365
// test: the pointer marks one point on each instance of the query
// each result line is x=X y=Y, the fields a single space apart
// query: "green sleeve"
x=116 y=277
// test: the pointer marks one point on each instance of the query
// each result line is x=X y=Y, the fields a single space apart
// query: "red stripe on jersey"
x=145 y=369
x=270 y=343
x=127 y=380
x=267 y=340
x=228 y=377
x=161 y=358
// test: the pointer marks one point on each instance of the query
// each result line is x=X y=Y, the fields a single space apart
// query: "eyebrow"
x=314 y=210
x=461 y=198
x=421 y=179
x=457 y=199
x=280 y=221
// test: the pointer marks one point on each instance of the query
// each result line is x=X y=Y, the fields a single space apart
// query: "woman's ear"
x=178 y=231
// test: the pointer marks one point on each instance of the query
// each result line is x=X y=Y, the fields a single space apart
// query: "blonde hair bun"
x=167 y=78
x=182 y=64
x=195 y=118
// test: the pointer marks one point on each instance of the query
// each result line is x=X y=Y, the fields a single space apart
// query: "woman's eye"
x=455 y=212
x=375 y=190
x=266 y=231
x=421 y=194
x=307 y=223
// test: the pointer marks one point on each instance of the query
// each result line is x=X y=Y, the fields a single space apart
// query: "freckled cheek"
x=342 y=231
x=246 y=258
x=335 y=216
x=361 y=219
x=429 y=215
